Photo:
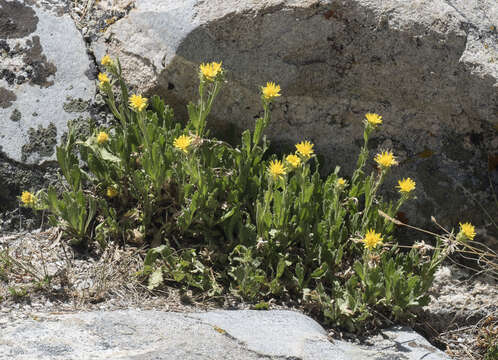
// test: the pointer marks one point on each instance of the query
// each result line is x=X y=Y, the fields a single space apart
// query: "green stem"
x=261 y=125
x=370 y=197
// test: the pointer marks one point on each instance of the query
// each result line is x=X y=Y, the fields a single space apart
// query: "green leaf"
x=300 y=274
x=319 y=271
x=153 y=254
x=263 y=305
x=281 y=268
x=155 y=279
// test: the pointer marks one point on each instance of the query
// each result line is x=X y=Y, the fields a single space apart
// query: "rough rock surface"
x=430 y=67
x=133 y=334
x=460 y=299
x=43 y=81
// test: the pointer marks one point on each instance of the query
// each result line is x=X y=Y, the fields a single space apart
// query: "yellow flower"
x=293 y=160
x=276 y=169
x=468 y=230
x=28 y=198
x=210 y=70
x=406 y=185
x=374 y=119
x=372 y=239
x=111 y=192
x=385 y=159
x=106 y=60
x=103 y=79
x=137 y=102
x=305 y=148
x=102 y=137
x=341 y=181
x=270 y=90
x=183 y=142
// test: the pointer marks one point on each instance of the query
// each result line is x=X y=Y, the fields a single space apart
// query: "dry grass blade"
x=486 y=258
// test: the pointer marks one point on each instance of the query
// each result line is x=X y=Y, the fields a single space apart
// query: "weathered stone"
x=430 y=67
x=44 y=62
x=241 y=335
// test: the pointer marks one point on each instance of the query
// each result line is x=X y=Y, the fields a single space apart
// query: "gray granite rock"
x=238 y=335
x=430 y=67
x=44 y=78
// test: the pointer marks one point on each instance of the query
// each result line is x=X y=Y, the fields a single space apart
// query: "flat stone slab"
x=241 y=335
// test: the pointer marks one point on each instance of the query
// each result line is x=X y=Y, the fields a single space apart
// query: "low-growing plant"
x=220 y=218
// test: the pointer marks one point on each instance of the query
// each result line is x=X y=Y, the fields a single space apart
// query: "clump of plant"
x=220 y=218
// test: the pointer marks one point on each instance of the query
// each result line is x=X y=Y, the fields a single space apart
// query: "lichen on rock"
x=16 y=115
x=42 y=141
x=75 y=105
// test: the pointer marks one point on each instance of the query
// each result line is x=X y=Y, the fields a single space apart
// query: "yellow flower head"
x=305 y=149
x=468 y=230
x=373 y=119
x=210 y=70
x=103 y=79
x=293 y=160
x=277 y=169
x=341 y=181
x=111 y=192
x=106 y=60
x=28 y=198
x=372 y=239
x=385 y=159
x=137 y=102
x=406 y=185
x=102 y=137
x=182 y=143
x=270 y=90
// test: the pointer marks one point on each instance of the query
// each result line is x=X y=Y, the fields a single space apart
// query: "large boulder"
x=429 y=67
x=45 y=81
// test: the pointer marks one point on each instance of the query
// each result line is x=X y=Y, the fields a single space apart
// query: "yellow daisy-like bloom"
x=373 y=119
x=294 y=160
x=468 y=230
x=182 y=143
x=372 y=239
x=137 y=102
x=270 y=90
x=106 y=60
x=341 y=181
x=27 y=198
x=111 y=192
x=385 y=159
x=277 y=169
x=102 y=137
x=210 y=70
x=103 y=79
x=305 y=148
x=406 y=185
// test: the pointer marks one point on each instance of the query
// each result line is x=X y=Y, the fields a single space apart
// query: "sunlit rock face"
x=43 y=62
